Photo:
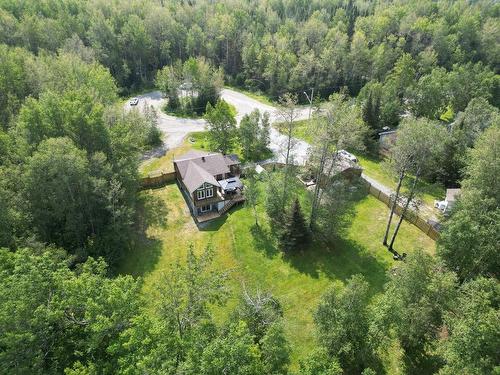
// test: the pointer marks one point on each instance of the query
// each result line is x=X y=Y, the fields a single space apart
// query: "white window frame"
x=208 y=209
x=209 y=193
x=200 y=194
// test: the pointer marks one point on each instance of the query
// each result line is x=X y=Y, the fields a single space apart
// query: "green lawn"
x=164 y=163
x=200 y=141
x=252 y=256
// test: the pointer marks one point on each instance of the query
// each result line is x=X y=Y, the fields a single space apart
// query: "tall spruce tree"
x=295 y=230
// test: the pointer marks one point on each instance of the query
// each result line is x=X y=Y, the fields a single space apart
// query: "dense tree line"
x=68 y=155
x=55 y=319
x=68 y=179
x=422 y=49
x=424 y=317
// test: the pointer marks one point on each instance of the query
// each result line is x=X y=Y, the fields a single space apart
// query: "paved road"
x=176 y=128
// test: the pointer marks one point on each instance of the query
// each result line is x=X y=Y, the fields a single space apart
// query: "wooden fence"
x=410 y=216
x=157 y=180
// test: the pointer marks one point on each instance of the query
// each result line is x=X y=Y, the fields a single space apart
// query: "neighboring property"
x=386 y=140
x=446 y=205
x=343 y=167
x=209 y=182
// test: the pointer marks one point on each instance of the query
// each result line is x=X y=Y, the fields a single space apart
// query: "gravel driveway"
x=176 y=128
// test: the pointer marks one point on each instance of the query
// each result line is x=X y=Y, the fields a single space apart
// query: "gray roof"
x=388 y=132
x=196 y=176
x=197 y=167
x=231 y=159
x=452 y=194
x=213 y=163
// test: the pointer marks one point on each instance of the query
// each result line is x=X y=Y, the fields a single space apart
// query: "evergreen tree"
x=295 y=230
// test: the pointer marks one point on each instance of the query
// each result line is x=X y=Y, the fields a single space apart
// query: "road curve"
x=176 y=128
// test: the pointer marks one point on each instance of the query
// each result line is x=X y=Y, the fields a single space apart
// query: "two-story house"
x=209 y=182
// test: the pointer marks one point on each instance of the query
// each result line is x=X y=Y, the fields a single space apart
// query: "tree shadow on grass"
x=141 y=256
x=144 y=251
x=339 y=260
x=263 y=240
x=214 y=225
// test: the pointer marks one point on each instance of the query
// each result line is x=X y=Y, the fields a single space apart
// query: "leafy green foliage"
x=342 y=319
x=221 y=126
x=260 y=311
x=319 y=362
x=15 y=83
x=253 y=135
x=411 y=308
x=53 y=317
x=281 y=46
x=180 y=335
x=469 y=241
x=472 y=325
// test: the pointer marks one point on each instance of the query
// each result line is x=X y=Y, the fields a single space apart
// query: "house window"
x=209 y=192
x=201 y=194
x=206 y=208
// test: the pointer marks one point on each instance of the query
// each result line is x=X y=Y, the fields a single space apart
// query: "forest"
x=70 y=209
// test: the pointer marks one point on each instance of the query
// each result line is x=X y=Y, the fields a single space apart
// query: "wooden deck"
x=216 y=214
x=207 y=217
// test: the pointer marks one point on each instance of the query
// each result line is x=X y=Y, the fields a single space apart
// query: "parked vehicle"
x=348 y=156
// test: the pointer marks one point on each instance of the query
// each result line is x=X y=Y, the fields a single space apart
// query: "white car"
x=348 y=156
x=134 y=101
x=441 y=205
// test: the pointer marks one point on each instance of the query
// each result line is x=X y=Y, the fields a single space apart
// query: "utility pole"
x=310 y=99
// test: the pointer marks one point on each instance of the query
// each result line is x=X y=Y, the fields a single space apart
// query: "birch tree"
x=338 y=126
x=419 y=142
x=288 y=114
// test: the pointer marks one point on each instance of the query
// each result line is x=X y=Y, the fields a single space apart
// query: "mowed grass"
x=254 y=261
x=164 y=163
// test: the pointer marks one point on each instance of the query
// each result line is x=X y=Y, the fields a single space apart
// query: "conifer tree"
x=295 y=231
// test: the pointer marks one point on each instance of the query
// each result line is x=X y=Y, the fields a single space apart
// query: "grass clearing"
x=164 y=163
x=251 y=254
